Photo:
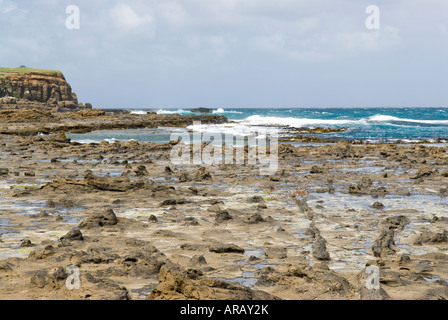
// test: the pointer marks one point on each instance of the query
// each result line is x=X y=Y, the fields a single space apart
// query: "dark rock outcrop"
x=201 y=110
x=190 y=284
x=24 y=89
x=100 y=219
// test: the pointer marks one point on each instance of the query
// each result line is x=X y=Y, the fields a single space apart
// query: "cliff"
x=25 y=88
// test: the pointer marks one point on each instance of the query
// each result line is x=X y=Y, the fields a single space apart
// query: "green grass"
x=28 y=70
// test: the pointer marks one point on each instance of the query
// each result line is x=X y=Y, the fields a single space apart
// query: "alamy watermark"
x=73 y=281
x=259 y=149
x=373 y=20
x=73 y=21
x=373 y=280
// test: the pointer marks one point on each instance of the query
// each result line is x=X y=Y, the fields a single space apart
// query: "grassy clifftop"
x=28 y=71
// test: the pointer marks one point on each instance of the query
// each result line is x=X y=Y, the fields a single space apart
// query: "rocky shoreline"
x=138 y=227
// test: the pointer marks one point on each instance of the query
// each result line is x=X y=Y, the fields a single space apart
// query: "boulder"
x=73 y=235
x=222 y=215
x=377 y=205
x=225 y=248
x=319 y=248
x=99 y=219
x=190 y=284
x=203 y=174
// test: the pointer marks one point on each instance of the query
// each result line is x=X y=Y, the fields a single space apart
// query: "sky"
x=236 y=53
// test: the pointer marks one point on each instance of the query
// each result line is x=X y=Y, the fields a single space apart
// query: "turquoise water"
x=360 y=124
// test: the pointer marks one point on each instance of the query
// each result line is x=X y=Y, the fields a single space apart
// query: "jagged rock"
x=50 y=204
x=256 y=199
x=316 y=169
x=440 y=293
x=89 y=112
x=222 y=215
x=267 y=276
x=141 y=171
x=262 y=206
x=198 y=260
x=100 y=219
x=6 y=266
x=385 y=243
x=201 y=110
x=59 y=137
x=225 y=248
x=443 y=192
x=203 y=174
x=380 y=192
x=55 y=278
x=26 y=243
x=315 y=282
x=378 y=205
x=404 y=259
x=429 y=237
x=92 y=181
x=371 y=290
x=255 y=218
x=191 y=221
x=168 y=202
x=96 y=255
x=424 y=172
x=184 y=177
x=215 y=208
x=145 y=262
x=319 y=248
x=396 y=222
x=193 y=190
x=193 y=247
x=73 y=235
x=304 y=207
x=275 y=253
x=39 y=279
x=361 y=188
x=32 y=115
x=43 y=253
x=190 y=284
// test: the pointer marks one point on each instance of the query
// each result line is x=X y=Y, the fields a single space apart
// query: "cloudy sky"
x=236 y=53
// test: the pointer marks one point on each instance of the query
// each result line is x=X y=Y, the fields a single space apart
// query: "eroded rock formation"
x=42 y=89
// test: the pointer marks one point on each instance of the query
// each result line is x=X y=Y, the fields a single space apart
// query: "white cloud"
x=442 y=28
x=125 y=17
x=290 y=47
x=220 y=46
x=221 y=39
x=7 y=6
x=369 y=40
x=173 y=13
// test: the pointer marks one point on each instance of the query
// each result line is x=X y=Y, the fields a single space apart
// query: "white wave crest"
x=385 y=118
x=162 y=111
x=138 y=112
x=221 y=110
x=297 y=122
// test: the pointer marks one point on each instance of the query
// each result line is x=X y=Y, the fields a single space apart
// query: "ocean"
x=406 y=125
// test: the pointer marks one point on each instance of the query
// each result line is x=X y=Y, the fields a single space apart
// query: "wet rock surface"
x=136 y=226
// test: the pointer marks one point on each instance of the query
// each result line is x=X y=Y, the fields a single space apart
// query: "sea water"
x=407 y=125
